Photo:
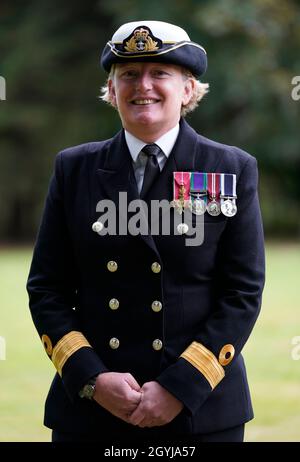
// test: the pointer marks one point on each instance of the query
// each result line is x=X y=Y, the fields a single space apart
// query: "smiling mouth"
x=144 y=102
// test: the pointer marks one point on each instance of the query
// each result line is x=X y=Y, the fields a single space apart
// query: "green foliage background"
x=49 y=56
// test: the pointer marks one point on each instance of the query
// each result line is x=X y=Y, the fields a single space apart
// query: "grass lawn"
x=273 y=374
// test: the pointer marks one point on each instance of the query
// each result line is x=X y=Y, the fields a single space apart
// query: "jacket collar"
x=117 y=172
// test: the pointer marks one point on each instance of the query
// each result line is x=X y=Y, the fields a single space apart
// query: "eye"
x=160 y=73
x=129 y=74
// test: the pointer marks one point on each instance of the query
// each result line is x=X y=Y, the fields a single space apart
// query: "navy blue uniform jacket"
x=210 y=294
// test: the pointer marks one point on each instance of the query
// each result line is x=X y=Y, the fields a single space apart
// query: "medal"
x=181 y=194
x=198 y=193
x=213 y=187
x=228 y=208
x=181 y=190
x=213 y=208
x=198 y=206
x=180 y=202
x=228 y=194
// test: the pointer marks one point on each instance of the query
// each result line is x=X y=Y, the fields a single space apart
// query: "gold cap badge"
x=141 y=40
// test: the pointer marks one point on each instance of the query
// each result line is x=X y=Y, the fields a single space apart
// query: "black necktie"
x=152 y=168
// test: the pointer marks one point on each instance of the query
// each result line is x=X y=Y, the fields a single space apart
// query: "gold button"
x=157 y=344
x=156 y=306
x=47 y=344
x=114 y=343
x=112 y=266
x=226 y=354
x=114 y=304
x=156 y=268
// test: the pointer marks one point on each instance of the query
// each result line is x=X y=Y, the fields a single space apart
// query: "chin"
x=147 y=119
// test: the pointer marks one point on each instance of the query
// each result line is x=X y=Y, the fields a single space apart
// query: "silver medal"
x=229 y=208
x=213 y=208
x=197 y=206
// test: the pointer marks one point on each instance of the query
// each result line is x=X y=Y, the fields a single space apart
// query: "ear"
x=112 y=93
x=189 y=86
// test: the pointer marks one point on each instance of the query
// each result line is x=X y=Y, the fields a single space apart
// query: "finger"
x=131 y=407
x=146 y=423
x=134 y=397
x=137 y=416
x=132 y=382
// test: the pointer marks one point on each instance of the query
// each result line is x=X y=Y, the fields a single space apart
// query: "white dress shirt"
x=139 y=159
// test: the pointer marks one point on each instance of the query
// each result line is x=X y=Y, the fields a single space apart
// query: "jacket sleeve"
x=239 y=276
x=52 y=288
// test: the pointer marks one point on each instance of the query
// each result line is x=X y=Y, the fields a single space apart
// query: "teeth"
x=144 y=101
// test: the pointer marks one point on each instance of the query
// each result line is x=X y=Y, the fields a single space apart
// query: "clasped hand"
x=147 y=406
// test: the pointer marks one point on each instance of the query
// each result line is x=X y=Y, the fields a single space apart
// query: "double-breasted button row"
x=112 y=266
x=114 y=344
x=114 y=305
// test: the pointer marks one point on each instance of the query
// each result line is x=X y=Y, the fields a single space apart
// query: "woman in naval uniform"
x=145 y=330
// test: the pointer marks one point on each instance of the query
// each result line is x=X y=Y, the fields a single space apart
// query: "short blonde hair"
x=200 y=89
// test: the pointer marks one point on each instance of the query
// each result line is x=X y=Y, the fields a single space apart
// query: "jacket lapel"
x=117 y=176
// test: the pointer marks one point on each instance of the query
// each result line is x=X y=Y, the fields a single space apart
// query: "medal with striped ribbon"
x=181 y=190
x=198 y=193
x=228 y=194
x=213 y=187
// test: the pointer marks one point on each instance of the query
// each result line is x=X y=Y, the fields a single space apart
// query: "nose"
x=144 y=82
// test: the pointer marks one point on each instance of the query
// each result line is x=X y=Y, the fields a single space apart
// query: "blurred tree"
x=50 y=58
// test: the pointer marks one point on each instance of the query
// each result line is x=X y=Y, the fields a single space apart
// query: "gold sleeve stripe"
x=206 y=362
x=66 y=347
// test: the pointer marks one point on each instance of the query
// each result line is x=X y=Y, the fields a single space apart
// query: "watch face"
x=87 y=391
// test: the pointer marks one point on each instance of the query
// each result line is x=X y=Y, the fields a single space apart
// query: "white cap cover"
x=154 y=41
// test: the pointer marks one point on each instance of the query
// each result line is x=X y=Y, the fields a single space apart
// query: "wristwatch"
x=89 y=389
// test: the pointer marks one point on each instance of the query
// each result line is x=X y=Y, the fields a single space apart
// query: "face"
x=149 y=97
